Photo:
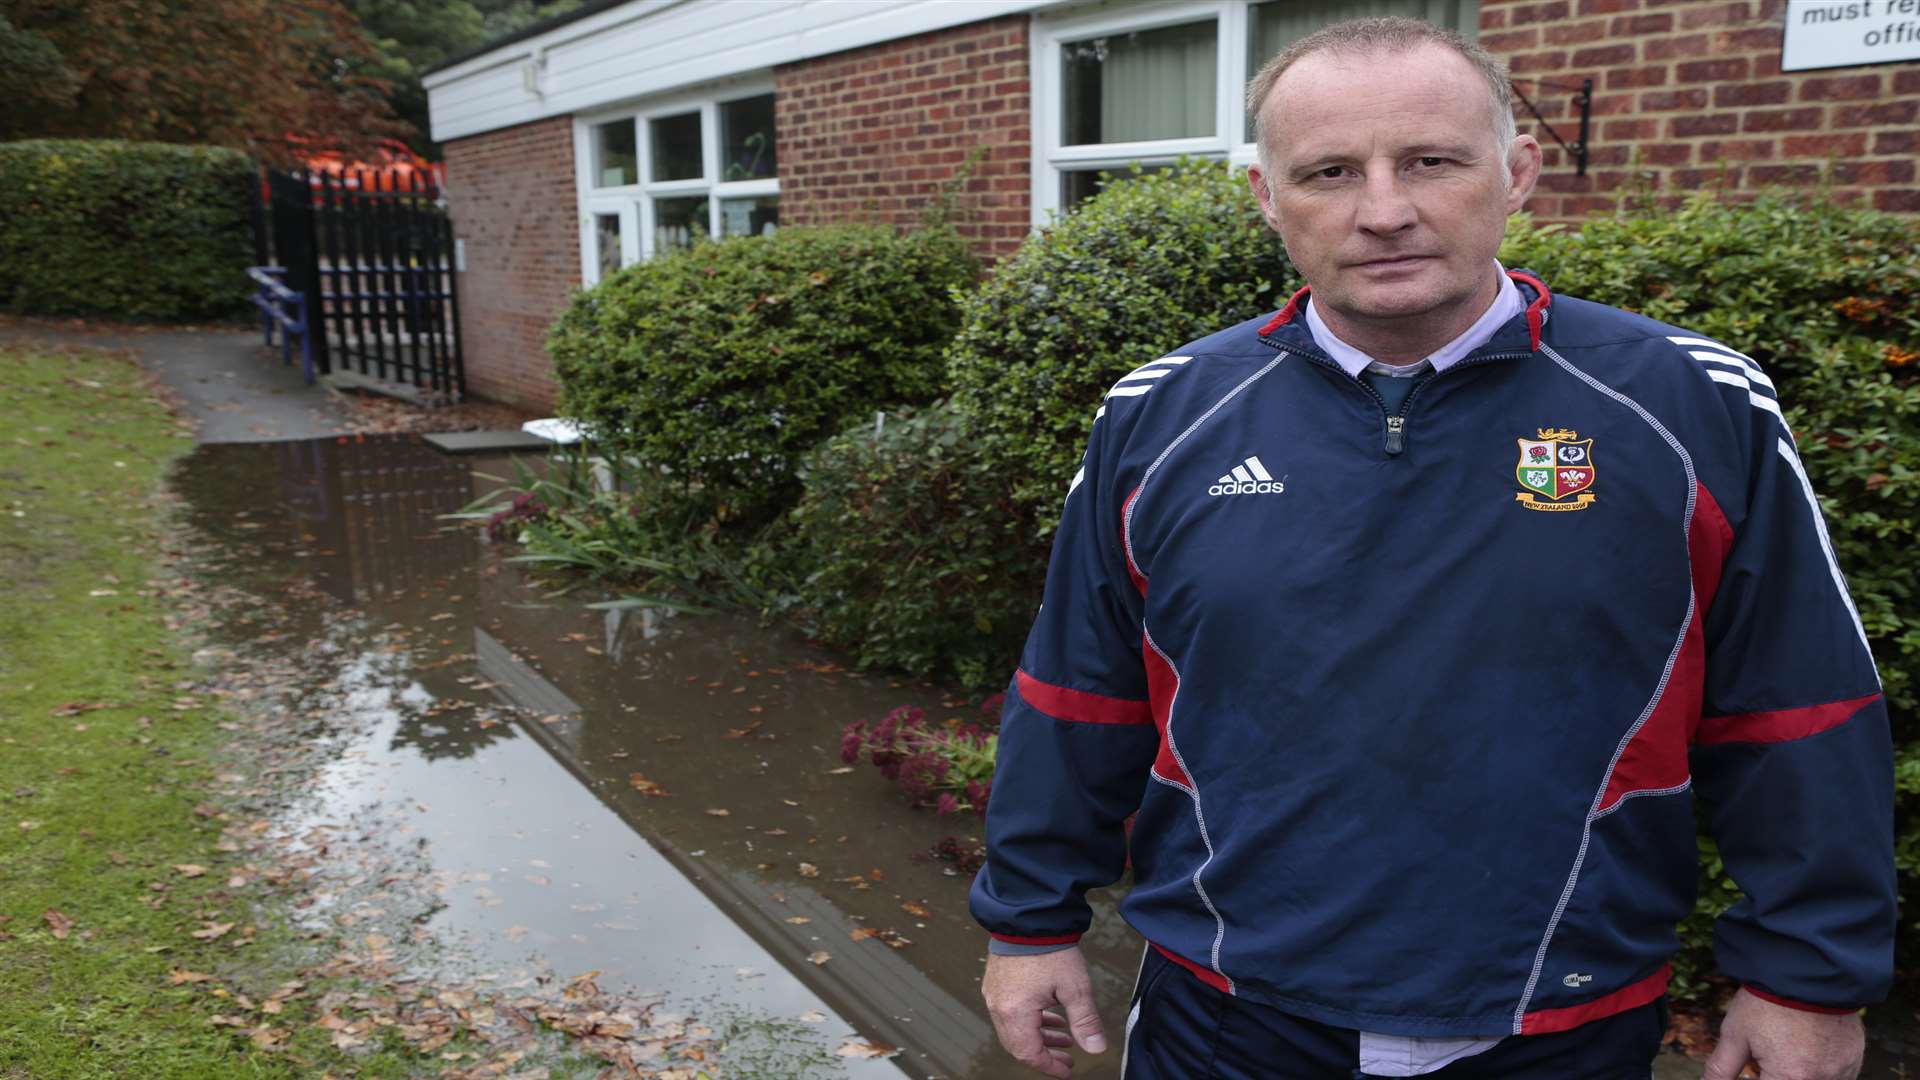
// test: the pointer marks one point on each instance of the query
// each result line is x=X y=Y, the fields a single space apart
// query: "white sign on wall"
x=1848 y=33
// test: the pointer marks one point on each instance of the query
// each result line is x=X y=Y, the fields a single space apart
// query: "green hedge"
x=911 y=550
x=1827 y=299
x=725 y=363
x=1151 y=262
x=124 y=230
x=924 y=547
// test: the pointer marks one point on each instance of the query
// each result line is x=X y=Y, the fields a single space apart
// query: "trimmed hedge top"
x=125 y=230
x=725 y=363
x=1152 y=261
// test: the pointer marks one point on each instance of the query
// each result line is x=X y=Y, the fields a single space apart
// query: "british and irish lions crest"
x=1556 y=469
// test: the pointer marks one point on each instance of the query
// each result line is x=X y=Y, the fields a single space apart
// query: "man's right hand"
x=1022 y=992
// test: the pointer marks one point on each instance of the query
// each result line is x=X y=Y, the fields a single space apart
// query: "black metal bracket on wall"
x=1578 y=151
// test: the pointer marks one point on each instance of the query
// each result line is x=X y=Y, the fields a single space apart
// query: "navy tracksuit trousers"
x=1183 y=1029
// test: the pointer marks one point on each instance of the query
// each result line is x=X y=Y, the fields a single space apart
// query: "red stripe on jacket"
x=1631 y=996
x=1780 y=725
x=1162 y=683
x=1080 y=706
x=1204 y=974
x=1656 y=758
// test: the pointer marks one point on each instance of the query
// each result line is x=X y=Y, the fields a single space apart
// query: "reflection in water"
x=520 y=722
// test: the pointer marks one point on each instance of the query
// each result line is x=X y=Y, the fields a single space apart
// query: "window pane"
x=1275 y=25
x=1149 y=84
x=676 y=147
x=750 y=217
x=678 y=222
x=606 y=233
x=1080 y=185
x=615 y=159
x=746 y=139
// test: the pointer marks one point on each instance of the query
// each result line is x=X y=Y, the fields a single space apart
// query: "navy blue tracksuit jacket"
x=1415 y=707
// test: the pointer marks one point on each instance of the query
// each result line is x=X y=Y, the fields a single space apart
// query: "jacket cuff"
x=996 y=947
x=1050 y=939
x=1800 y=1005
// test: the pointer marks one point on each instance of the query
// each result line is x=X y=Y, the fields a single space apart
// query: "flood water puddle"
x=655 y=797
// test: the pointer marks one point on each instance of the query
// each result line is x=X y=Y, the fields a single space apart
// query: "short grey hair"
x=1371 y=37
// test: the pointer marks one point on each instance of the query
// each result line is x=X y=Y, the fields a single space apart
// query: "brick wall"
x=870 y=134
x=511 y=196
x=1689 y=94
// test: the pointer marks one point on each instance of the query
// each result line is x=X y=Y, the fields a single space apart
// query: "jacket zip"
x=1395 y=440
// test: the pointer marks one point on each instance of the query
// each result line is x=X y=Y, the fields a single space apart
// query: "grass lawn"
x=108 y=859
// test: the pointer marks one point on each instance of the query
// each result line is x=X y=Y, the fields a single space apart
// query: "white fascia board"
x=494 y=90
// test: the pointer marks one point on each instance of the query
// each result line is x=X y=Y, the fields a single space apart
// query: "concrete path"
x=232 y=387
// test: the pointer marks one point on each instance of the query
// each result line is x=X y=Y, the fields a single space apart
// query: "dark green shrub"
x=1827 y=299
x=1148 y=264
x=144 y=231
x=914 y=553
x=723 y=364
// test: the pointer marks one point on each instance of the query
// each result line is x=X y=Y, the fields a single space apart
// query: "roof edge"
x=589 y=8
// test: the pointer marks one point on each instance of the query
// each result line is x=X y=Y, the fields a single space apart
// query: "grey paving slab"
x=232 y=387
x=485 y=442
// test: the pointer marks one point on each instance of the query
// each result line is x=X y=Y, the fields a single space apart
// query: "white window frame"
x=1052 y=158
x=634 y=203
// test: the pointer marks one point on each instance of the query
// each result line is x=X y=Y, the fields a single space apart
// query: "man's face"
x=1387 y=186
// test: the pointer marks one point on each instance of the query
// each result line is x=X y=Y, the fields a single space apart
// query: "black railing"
x=372 y=250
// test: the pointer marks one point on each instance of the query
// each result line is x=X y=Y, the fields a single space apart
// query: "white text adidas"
x=1247 y=478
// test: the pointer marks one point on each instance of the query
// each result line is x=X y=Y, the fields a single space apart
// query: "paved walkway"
x=232 y=387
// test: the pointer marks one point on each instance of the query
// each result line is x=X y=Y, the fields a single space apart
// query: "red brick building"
x=626 y=127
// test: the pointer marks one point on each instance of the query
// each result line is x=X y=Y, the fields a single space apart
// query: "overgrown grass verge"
x=124 y=933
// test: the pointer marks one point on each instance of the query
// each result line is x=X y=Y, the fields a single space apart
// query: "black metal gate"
x=372 y=251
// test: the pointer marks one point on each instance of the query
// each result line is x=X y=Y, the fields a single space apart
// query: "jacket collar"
x=1289 y=326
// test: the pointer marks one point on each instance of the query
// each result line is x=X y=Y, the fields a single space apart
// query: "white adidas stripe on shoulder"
x=1140 y=379
x=1133 y=384
x=1727 y=365
x=1709 y=343
x=1826 y=541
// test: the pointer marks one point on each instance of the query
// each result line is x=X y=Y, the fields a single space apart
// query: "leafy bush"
x=723 y=364
x=146 y=231
x=1152 y=261
x=1828 y=300
x=914 y=553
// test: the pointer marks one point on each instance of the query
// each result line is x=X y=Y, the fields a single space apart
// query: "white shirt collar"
x=1506 y=304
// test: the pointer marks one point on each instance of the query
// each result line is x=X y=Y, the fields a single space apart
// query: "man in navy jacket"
x=1413 y=622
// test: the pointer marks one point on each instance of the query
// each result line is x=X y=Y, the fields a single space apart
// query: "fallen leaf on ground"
x=646 y=787
x=916 y=909
x=865 y=1048
x=75 y=708
x=863 y=933
x=718 y=812
x=189 y=869
x=812 y=1016
x=798 y=920
x=58 y=923
x=807 y=869
x=179 y=976
x=213 y=931
x=819 y=957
